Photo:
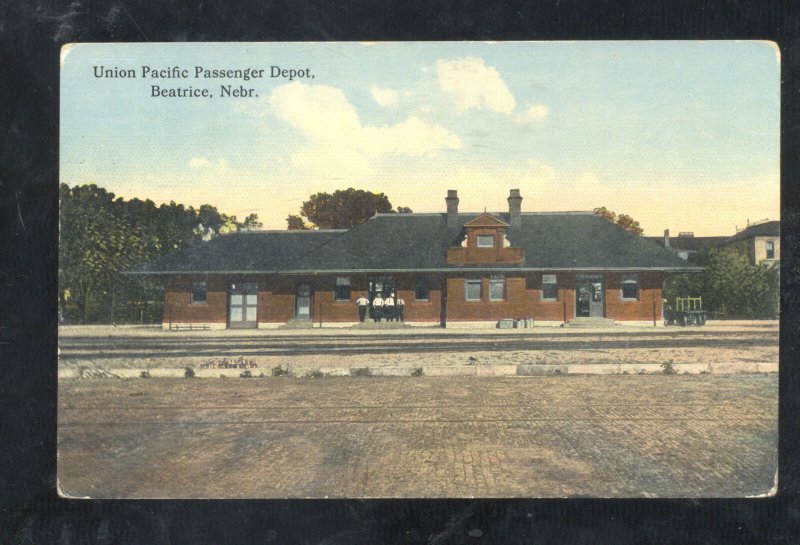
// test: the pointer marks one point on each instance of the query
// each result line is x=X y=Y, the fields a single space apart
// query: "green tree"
x=604 y=212
x=96 y=241
x=251 y=223
x=623 y=220
x=731 y=287
x=296 y=223
x=100 y=235
x=344 y=209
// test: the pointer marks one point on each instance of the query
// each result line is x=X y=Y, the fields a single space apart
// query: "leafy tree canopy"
x=342 y=209
x=623 y=220
x=296 y=223
x=731 y=287
x=101 y=234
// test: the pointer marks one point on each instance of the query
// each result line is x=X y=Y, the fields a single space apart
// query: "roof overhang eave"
x=418 y=270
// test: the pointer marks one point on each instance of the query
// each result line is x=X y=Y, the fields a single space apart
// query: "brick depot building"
x=451 y=269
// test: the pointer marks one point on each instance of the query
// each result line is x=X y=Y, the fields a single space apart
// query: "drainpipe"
x=654 y=308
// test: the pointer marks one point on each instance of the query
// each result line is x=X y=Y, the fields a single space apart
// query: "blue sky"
x=665 y=131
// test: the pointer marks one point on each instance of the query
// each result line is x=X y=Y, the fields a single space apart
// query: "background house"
x=760 y=242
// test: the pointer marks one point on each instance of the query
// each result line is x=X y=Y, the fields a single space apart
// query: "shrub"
x=188 y=372
x=145 y=374
x=246 y=374
x=417 y=372
x=667 y=368
x=315 y=373
x=279 y=371
x=361 y=372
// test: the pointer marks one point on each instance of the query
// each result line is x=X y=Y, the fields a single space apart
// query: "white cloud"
x=202 y=162
x=531 y=115
x=199 y=162
x=388 y=98
x=474 y=85
x=338 y=142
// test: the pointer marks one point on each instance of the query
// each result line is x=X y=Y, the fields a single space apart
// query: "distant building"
x=450 y=268
x=760 y=242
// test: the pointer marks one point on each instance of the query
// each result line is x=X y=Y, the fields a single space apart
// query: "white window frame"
x=191 y=293
x=628 y=278
x=554 y=282
x=478 y=239
x=342 y=281
x=494 y=280
x=767 y=249
x=473 y=281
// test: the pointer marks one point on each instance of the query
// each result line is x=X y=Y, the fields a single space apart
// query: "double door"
x=589 y=301
x=243 y=306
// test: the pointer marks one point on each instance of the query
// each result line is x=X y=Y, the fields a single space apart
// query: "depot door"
x=589 y=296
x=243 y=306
x=302 y=302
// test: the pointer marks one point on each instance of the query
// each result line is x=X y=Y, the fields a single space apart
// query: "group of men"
x=387 y=308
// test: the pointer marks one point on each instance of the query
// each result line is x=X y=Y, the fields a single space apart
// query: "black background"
x=31 y=512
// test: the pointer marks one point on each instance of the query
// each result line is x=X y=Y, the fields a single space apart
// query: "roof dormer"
x=484 y=243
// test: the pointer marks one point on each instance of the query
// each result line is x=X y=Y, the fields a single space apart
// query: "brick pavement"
x=609 y=436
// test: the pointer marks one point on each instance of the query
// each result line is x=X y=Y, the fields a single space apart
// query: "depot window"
x=497 y=288
x=342 y=292
x=485 y=241
x=630 y=287
x=473 y=289
x=422 y=291
x=198 y=293
x=549 y=287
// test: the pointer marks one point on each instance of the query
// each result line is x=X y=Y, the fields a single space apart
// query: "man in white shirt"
x=362 y=303
x=377 y=308
x=388 y=308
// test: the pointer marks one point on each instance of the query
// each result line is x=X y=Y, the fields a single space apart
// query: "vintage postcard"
x=421 y=269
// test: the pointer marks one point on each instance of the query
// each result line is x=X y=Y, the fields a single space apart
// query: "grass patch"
x=279 y=371
x=667 y=368
x=144 y=374
x=417 y=372
x=361 y=372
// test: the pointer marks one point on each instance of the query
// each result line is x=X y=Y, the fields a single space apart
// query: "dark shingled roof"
x=700 y=244
x=561 y=240
x=417 y=242
x=691 y=244
x=765 y=229
x=263 y=251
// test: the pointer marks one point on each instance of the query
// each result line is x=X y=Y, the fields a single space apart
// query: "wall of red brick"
x=523 y=298
x=178 y=307
x=648 y=304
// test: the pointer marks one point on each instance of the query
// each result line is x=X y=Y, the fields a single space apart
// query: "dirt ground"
x=566 y=436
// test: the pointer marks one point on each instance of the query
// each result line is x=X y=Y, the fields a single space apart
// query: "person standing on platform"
x=377 y=308
x=388 y=308
x=363 y=304
x=399 y=309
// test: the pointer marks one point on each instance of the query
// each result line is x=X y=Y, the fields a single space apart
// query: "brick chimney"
x=452 y=208
x=515 y=208
x=666 y=238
